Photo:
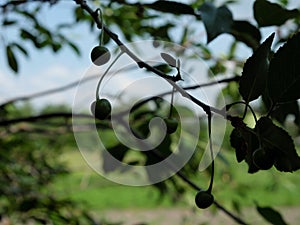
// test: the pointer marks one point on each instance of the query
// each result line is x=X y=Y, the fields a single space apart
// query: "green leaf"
x=163 y=67
x=168 y=59
x=56 y=46
x=247 y=33
x=29 y=15
x=255 y=71
x=271 y=215
x=11 y=59
x=27 y=35
x=80 y=15
x=268 y=14
x=283 y=82
x=216 y=20
x=171 y=7
x=278 y=140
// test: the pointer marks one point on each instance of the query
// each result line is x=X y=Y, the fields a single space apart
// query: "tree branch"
x=157 y=154
x=143 y=64
x=44 y=116
x=76 y=83
x=208 y=109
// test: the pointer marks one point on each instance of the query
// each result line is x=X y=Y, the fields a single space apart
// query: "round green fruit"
x=101 y=108
x=263 y=158
x=204 y=199
x=100 y=55
x=171 y=124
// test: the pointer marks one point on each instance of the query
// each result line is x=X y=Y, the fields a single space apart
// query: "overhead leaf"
x=277 y=139
x=11 y=59
x=271 y=215
x=171 y=7
x=255 y=71
x=283 y=82
x=247 y=33
x=268 y=14
x=216 y=20
x=169 y=59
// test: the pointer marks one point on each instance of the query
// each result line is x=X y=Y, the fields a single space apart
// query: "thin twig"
x=76 y=83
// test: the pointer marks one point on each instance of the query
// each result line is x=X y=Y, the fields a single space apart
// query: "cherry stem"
x=106 y=71
x=246 y=106
x=102 y=25
x=171 y=105
x=209 y=115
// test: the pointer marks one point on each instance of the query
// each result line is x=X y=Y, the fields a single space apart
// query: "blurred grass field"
x=232 y=185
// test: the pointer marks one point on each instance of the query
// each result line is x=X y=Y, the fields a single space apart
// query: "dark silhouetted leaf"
x=278 y=140
x=255 y=71
x=238 y=142
x=268 y=14
x=281 y=111
x=271 y=215
x=111 y=154
x=247 y=33
x=11 y=59
x=169 y=59
x=162 y=150
x=283 y=82
x=216 y=20
x=171 y=7
x=245 y=142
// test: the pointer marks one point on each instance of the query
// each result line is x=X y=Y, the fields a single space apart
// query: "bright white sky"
x=44 y=70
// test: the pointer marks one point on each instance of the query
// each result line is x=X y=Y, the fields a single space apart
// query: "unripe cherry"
x=204 y=199
x=101 y=108
x=100 y=55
